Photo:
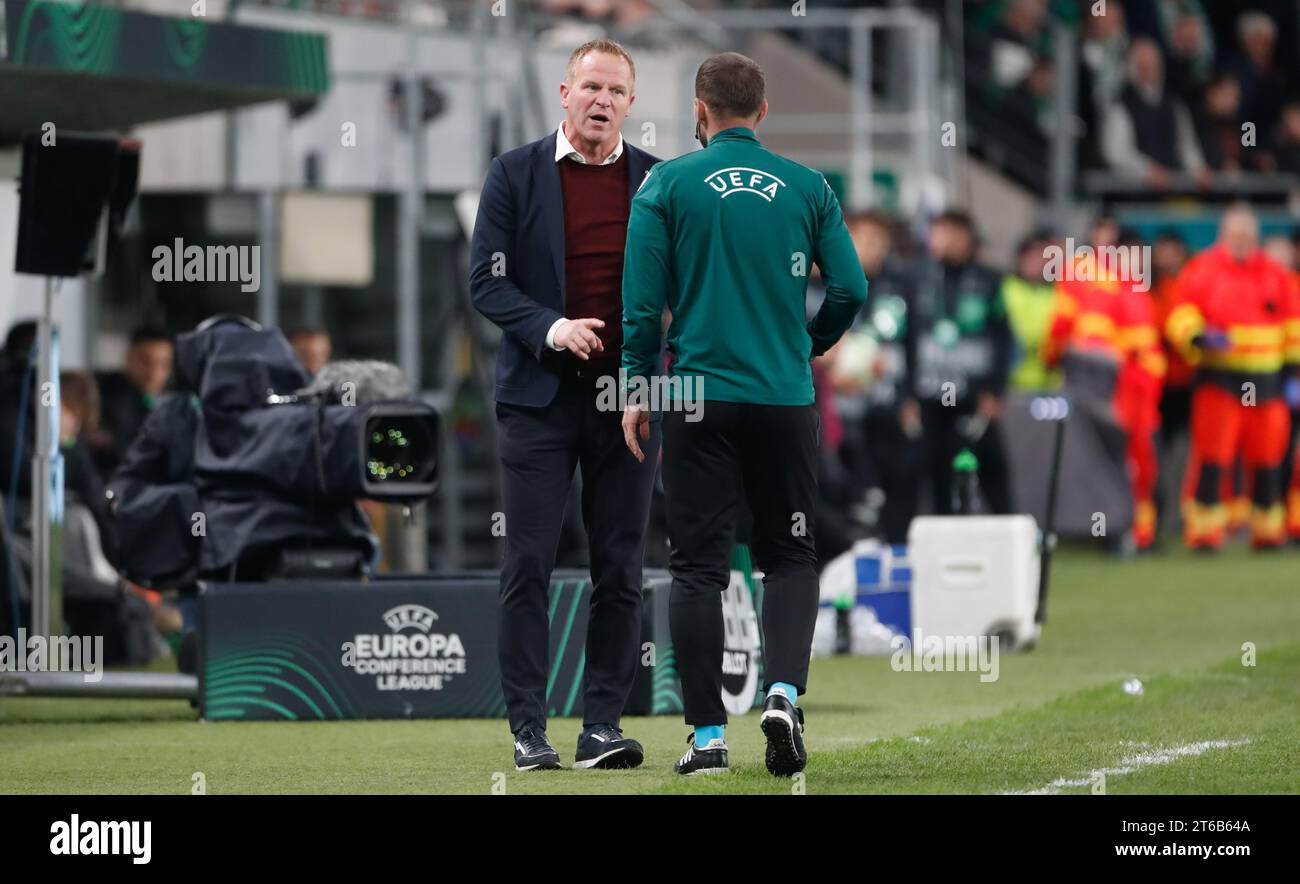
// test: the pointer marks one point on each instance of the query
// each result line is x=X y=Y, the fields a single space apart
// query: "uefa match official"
x=546 y=265
x=723 y=237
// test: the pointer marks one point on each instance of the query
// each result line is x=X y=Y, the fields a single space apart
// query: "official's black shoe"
x=711 y=759
x=533 y=751
x=604 y=746
x=782 y=724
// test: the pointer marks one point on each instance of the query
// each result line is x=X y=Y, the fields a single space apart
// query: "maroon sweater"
x=596 y=208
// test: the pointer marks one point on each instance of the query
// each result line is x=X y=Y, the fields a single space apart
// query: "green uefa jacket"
x=724 y=237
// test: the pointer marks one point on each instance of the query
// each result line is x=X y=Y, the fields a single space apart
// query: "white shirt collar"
x=564 y=149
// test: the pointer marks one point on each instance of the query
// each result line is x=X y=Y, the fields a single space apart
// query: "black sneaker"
x=533 y=751
x=711 y=759
x=782 y=724
x=604 y=746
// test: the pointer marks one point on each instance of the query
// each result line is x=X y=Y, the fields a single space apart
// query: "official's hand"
x=576 y=336
x=1212 y=338
x=1291 y=392
x=635 y=418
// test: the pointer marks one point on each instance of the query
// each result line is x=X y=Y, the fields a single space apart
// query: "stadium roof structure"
x=87 y=67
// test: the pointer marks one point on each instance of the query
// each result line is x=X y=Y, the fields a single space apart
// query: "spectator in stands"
x=128 y=396
x=1286 y=141
x=1036 y=94
x=312 y=347
x=1185 y=32
x=1264 y=87
x=1019 y=39
x=1027 y=296
x=1105 y=49
x=1148 y=132
x=1219 y=124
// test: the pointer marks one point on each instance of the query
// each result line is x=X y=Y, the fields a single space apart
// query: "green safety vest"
x=1029 y=310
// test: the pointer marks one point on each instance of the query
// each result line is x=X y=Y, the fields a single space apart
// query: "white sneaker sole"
x=592 y=762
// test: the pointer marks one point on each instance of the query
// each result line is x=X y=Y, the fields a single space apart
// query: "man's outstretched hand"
x=577 y=336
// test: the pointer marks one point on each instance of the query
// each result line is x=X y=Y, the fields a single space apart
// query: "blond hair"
x=609 y=47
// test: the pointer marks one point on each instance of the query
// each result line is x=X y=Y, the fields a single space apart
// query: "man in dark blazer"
x=546 y=265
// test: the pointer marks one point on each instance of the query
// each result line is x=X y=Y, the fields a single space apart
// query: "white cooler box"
x=975 y=575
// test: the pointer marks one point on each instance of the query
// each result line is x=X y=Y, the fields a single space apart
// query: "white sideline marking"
x=1132 y=763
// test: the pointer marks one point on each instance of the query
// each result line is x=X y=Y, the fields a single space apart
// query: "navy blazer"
x=516 y=275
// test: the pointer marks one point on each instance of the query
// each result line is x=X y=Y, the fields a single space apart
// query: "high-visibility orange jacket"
x=1179 y=372
x=1088 y=316
x=1139 y=338
x=1255 y=302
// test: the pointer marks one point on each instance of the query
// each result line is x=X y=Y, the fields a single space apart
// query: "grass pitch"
x=1056 y=720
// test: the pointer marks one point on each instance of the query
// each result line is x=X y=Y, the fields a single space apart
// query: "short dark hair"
x=18 y=342
x=147 y=334
x=873 y=217
x=731 y=85
x=1129 y=237
x=956 y=218
x=1034 y=241
x=1222 y=77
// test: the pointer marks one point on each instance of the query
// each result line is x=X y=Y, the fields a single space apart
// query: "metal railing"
x=919 y=122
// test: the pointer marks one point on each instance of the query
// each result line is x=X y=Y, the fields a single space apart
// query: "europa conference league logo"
x=740 y=646
x=411 y=657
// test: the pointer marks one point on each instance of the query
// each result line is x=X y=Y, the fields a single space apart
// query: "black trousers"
x=893 y=462
x=539 y=449
x=944 y=440
x=771 y=451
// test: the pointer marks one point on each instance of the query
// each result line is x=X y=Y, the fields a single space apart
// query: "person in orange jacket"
x=1237 y=321
x=1086 y=316
x=1141 y=381
x=1293 y=495
x=1104 y=315
x=1286 y=250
